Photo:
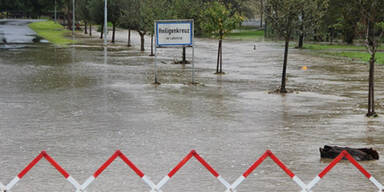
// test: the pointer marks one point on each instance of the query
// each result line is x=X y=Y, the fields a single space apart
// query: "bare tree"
x=218 y=22
x=283 y=16
x=373 y=25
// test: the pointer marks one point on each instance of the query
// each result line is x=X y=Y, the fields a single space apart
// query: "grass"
x=350 y=51
x=51 y=31
x=328 y=46
x=363 y=56
x=246 y=34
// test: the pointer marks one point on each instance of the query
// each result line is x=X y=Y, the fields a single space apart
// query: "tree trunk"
x=69 y=16
x=301 y=40
x=113 y=33
x=221 y=54
x=261 y=13
x=371 y=45
x=142 y=41
x=69 y=21
x=152 y=46
x=315 y=37
x=284 y=75
x=265 y=29
x=371 y=97
x=349 y=31
x=218 y=57
x=301 y=31
x=184 y=61
x=102 y=32
x=85 y=28
x=348 y=38
x=90 y=29
x=129 y=38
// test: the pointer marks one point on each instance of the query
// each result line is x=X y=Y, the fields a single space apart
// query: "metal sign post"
x=174 y=34
x=156 y=80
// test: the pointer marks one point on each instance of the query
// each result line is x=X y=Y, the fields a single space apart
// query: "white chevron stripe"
x=12 y=183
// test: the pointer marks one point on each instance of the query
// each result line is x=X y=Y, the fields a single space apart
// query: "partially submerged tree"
x=219 y=21
x=283 y=16
x=135 y=18
x=115 y=8
x=96 y=10
x=186 y=9
x=373 y=27
x=68 y=10
x=139 y=15
x=83 y=13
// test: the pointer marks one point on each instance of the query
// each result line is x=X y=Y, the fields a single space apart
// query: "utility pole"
x=105 y=21
x=73 y=18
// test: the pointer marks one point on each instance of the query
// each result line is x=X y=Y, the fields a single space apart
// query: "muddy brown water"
x=80 y=104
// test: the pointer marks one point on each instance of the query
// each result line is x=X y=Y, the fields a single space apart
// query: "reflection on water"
x=105 y=55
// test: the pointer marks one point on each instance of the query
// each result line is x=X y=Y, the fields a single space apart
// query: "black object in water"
x=359 y=154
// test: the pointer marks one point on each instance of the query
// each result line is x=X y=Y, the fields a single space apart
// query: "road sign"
x=174 y=33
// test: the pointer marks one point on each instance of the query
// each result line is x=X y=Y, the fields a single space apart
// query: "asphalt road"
x=16 y=31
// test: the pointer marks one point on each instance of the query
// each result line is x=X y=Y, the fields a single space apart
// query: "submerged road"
x=16 y=31
x=82 y=103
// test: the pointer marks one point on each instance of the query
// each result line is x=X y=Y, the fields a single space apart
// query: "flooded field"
x=81 y=103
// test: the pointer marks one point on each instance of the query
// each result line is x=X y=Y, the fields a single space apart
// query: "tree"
x=348 y=17
x=186 y=9
x=310 y=16
x=330 y=26
x=83 y=13
x=68 y=10
x=135 y=18
x=139 y=15
x=124 y=25
x=219 y=21
x=115 y=9
x=31 y=8
x=261 y=13
x=373 y=26
x=283 y=16
x=96 y=11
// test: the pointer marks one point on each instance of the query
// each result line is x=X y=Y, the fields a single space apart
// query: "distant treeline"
x=26 y=8
x=326 y=20
x=321 y=20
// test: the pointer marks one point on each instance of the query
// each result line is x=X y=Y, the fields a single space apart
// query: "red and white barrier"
x=118 y=153
x=2 y=187
x=268 y=153
x=157 y=188
x=193 y=153
x=337 y=160
x=43 y=154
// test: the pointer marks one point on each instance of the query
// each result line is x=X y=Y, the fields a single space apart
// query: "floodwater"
x=17 y=32
x=81 y=103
